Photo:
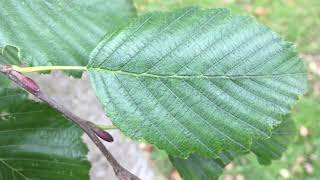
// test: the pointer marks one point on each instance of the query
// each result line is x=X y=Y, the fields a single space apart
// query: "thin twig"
x=89 y=128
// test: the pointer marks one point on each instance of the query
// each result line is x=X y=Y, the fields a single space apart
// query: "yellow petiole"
x=47 y=68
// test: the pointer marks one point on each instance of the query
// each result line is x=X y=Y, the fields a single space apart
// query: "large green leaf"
x=196 y=80
x=59 y=32
x=36 y=142
x=197 y=167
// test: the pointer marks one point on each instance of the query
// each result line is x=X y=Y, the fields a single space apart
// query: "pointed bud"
x=103 y=135
x=100 y=132
x=24 y=81
x=30 y=85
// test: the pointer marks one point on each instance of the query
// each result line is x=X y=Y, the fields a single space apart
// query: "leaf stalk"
x=47 y=68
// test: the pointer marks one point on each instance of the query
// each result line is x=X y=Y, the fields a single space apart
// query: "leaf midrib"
x=146 y=74
x=175 y=76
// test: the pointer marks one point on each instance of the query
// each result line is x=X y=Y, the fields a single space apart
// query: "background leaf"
x=59 y=32
x=37 y=142
x=194 y=80
x=7 y=55
x=273 y=148
x=197 y=167
x=3 y=81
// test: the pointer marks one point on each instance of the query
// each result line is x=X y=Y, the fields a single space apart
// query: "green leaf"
x=36 y=142
x=195 y=80
x=7 y=55
x=10 y=96
x=198 y=167
x=3 y=81
x=59 y=32
x=273 y=148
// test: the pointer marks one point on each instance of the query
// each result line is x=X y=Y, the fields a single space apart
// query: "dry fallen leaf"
x=146 y=147
x=229 y=167
x=304 y=131
x=239 y=177
x=228 y=177
x=308 y=168
x=285 y=173
x=175 y=175
x=261 y=11
x=314 y=67
x=248 y=8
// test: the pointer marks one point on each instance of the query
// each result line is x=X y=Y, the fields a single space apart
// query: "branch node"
x=89 y=128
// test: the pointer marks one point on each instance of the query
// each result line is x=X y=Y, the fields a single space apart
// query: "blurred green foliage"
x=297 y=20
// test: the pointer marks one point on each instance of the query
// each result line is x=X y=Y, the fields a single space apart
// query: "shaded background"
x=296 y=20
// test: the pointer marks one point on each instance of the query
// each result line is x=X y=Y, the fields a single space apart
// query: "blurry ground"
x=297 y=20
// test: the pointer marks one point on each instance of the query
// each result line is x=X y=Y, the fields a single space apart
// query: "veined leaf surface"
x=198 y=168
x=7 y=55
x=37 y=142
x=196 y=80
x=59 y=32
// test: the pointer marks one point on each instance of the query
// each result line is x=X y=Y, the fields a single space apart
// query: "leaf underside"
x=37 y=142
x=198 y=168
x=59 y=32
x=195 y=80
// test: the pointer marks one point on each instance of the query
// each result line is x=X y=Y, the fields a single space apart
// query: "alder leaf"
x=198 y=167
x=59 y=32
x=195 y=80
x=37 y=142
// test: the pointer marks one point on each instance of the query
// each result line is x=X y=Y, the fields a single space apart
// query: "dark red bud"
x=25 y=81
x=30 y=85
x=103 y=135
